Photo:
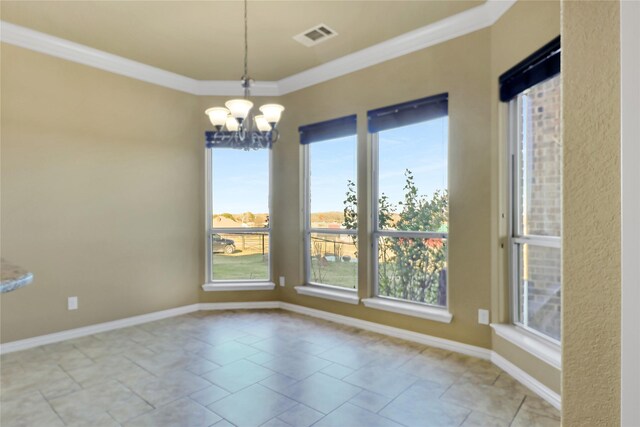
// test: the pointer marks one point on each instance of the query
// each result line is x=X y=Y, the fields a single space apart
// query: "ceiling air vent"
x=315 y=35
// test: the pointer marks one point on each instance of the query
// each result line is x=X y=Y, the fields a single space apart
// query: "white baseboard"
x=482 y=353
x=527 y=380
x=255 y=305
x=429 y=340
x=27 y=343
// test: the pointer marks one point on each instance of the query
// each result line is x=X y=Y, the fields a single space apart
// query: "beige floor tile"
x=283 y=347
x=107 y=369
x=430 y=412
x=322 y=392
x=337 y=371
x=350 y=355
x=28 y=410
x=297 y=366
x=110 y=398
x=478 y=419
x=354 y=416
x=387 y=382
x=260 y=357
x=229 y=352
x=276 y=422
x=370 y=401
x=180 y=413
x=252 y=406
x=162 y=363
x=169 y=387
x=507 y=382
x=539 y=406
x=257 y=367
x=300 y=416
x=278 y=382
x=530 y=419
x=30 y=379
x=237 y=375
x=429 y=369
x=484 y=398
x=209 y=395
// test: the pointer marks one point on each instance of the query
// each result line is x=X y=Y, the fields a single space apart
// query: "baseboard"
x=527 y=380
x=429 y=340
x=250 y=305
x=27 y=343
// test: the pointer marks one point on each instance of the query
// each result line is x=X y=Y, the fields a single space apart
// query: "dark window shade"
x=408 y=113
x=330 y=129
x=537 y=67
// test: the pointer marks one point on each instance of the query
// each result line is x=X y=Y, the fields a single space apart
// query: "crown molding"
x=466 y=22
x=449 y=28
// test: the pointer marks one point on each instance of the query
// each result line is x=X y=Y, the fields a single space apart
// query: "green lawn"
x=255 y=267
x=240 y=267
x=343 y=274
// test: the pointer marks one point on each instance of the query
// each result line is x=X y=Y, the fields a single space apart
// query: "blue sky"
x=241 y=177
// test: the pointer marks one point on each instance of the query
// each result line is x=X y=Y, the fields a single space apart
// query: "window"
x=238 y=212
x=331 y=224
x=536 y=196
x=410 y=200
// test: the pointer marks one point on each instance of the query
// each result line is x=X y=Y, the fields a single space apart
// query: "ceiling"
x=203 y=39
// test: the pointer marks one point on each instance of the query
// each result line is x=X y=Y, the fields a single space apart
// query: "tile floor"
x=257 y=368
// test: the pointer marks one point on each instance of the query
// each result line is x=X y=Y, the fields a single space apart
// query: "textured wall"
x=591 y=204
x=525 y=27
x=101 y=194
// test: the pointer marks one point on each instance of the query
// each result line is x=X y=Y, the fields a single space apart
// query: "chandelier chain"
x=246 y=44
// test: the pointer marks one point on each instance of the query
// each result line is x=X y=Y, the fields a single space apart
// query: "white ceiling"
x=202 y=40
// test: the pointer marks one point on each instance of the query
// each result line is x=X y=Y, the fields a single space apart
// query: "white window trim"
x=308 y=230
x=409 y=309
x=238 y=286
x=630 y=155
x=514 y=237
x=349 y=296
x=232 y=285
x=377 y=233
x=535 y=345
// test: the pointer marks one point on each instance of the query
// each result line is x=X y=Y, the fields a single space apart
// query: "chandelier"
x=235 y=124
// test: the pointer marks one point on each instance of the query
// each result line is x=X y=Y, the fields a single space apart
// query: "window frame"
x=377 y=233
x=308 y=230
x=515 y=237
x=210 y=283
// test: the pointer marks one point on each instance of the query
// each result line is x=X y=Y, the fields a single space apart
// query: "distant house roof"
x=222 y=221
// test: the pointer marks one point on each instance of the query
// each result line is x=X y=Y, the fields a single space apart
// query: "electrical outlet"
x=72 y=303
x=282 y=281
x=483 y=317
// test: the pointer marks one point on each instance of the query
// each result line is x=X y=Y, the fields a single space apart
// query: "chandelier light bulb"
x=237 y=126
x=262 y=124
x=272 y=113
x=239 y=108
x=232 y=124
x=218 y=116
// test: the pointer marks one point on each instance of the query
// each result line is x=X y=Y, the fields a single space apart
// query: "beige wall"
x=524 y=28
x=101 y=194
x=591 y=243
x=460 y=67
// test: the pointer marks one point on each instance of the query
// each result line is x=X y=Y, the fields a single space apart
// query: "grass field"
x=344 y=274
x=240 y=267
x=255 y=267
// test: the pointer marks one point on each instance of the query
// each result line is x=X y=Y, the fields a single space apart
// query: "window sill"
x=238 y=286
x=349 y=297
x=536 y=346
x=409 y=309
